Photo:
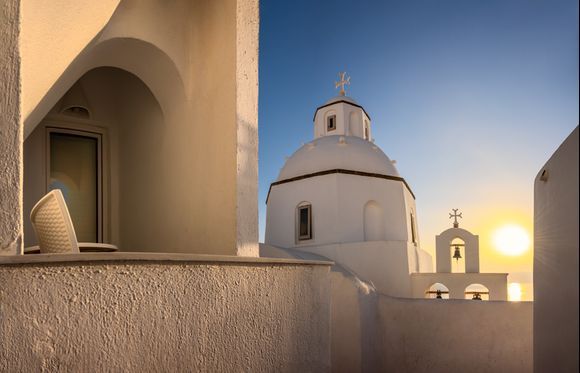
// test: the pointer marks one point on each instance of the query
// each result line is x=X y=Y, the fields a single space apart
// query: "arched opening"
x=330 y=121
x=477 y=292
x=354 y=124
x=109 y=164
x=457 y=250
x=437 y=291
x=374 y=222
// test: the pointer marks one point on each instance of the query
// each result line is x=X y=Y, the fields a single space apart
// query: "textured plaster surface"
x=10 y=131
x=428 y=335
x=556 y=261
x=372 y=332
x=164 y=317
x=247 y=30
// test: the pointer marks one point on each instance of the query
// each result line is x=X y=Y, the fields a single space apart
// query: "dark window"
x=413 y=234
x=305 y=222
x=331 y=123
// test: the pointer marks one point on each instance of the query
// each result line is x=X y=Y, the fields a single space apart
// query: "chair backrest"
x=53 y=225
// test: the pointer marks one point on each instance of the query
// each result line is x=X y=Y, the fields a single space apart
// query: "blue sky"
x=470 y=97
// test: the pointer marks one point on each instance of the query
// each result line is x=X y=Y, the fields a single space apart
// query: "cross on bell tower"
x=455 y=215
x=342 y=82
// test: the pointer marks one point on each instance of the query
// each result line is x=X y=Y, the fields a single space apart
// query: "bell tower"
x=444 y=244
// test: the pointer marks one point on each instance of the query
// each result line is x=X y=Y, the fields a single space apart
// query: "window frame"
x=309 y=236
x=413 y=229
x=100 y=134
x=328 y=118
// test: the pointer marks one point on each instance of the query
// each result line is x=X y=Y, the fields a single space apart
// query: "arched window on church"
x=437 y=291
x=477 y=292
x=457 y=249
x=367 y=130
x=330 y=122
x=304 y=221
x=413 y=229
x=374 y=222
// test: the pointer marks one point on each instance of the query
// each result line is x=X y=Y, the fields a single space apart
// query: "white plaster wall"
x=380 y=263
x=165 y=316
x=427 y=335
x=208 y=97
x=338 y=202
x=556 y=261
x=458 y=282
x=10 y=130
x=53 y=34
x=371 y=332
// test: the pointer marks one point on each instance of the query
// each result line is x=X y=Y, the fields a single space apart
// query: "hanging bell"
x=457 y=254
x=476 y=296
x=439 y=294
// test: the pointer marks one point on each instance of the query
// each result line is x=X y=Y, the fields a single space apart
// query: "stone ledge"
x=152 y=257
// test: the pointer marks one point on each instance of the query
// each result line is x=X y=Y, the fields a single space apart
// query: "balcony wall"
x=136 y=312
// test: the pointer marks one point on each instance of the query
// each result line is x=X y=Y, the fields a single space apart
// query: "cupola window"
x=331 y=123
x=367 y=135
x=304 y=222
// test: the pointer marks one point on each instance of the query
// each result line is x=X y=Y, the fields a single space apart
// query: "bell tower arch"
x=444 y=245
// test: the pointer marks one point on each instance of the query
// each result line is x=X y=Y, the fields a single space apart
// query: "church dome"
x=338 y=152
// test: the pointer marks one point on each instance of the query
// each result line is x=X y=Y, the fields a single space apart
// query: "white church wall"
x=338 y=203
x=556 y=261
x=431 y=335
x=381 y=263
x=211 y=125
x=146 y=312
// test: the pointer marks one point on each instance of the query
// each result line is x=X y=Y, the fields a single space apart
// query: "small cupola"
x=342 y=115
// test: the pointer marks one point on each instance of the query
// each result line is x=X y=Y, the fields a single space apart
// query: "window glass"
x=331 y=123
x=413 y=234
x=304 y=223
x=74 y=170
x=366 y=130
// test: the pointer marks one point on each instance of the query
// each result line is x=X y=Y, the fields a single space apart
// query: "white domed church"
x=340 y=196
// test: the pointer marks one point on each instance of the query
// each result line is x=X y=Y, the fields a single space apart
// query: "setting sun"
x=512 y=240
x=515 y=292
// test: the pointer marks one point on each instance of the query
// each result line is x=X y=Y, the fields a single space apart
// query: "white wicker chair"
x=53 y=225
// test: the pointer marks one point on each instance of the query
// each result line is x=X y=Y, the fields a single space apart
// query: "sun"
x=515 y=292
x=512 y=240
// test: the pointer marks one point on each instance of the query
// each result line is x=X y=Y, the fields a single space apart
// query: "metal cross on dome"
x=342 y=82
x=455 y=215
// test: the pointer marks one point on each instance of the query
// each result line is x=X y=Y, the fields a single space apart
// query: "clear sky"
x=471 y=97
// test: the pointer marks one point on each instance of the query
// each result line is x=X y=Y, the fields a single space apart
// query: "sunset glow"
x=512 y=240
x=515 y=292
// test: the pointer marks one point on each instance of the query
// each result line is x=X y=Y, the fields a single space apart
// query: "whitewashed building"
x=341 y=197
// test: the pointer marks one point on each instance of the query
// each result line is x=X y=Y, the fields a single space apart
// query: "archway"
x=374 y=222
x=437 y=291
x=477 y=292
x=143 y=59
x=457 y=254
x=126 y=119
